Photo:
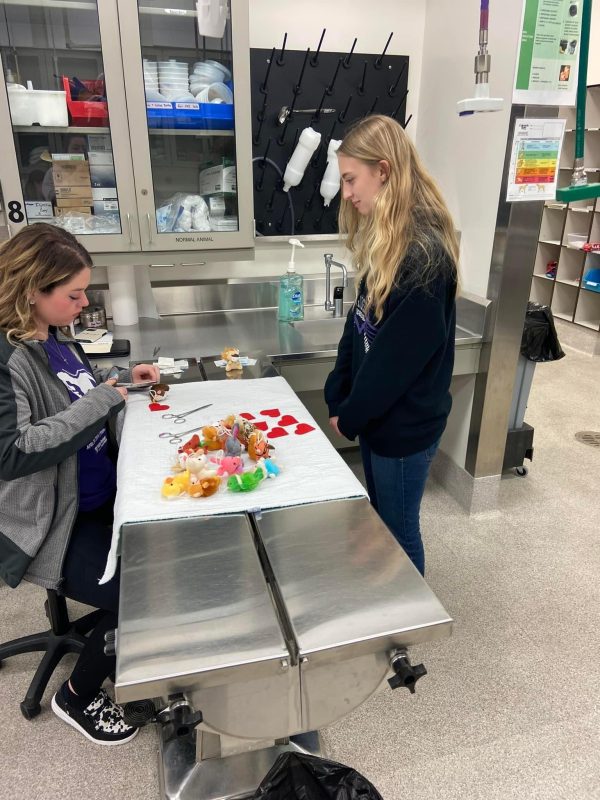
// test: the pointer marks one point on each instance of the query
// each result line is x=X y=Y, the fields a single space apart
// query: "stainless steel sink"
x=322 y=332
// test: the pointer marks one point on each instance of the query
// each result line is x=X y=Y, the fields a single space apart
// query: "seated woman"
x=57 y=456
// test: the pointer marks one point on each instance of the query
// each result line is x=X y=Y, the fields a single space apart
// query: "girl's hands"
x=145 y=372
x=120 y=389
x=333 y=421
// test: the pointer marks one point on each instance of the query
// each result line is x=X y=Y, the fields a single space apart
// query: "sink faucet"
x=336 y=306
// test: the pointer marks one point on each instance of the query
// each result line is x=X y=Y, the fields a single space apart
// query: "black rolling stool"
x=63 y=637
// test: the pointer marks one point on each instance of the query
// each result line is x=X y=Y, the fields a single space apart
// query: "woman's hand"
x=333 y=421
x=120 y=389
x=145 y=372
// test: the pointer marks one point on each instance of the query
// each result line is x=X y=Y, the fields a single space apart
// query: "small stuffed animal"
x=175 y=485
x=230 y=465
x=191 y=446
x=269 y=466
x=232 y=444
x=258 y=446
x=231 y=355
x=158 y=392
x=199 y=467
x=206 y=486
x=210 y=438
x=246 y=482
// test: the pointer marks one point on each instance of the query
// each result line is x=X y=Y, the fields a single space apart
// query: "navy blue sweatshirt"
x=390 y=384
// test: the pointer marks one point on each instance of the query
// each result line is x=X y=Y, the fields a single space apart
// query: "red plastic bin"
x=86 y=113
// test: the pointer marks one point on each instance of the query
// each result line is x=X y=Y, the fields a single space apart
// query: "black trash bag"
x=540 y=341
x=298 y=776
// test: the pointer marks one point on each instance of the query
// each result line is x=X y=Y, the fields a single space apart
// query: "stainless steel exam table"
x=246 y=629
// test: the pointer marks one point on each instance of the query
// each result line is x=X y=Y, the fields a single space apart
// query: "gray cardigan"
x=41 y=431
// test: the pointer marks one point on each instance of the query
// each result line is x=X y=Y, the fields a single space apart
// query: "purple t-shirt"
x=97 y=476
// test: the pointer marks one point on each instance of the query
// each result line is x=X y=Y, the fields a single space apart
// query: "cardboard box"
x=70 y=173
x=81 y=193
x=68 y=202
x=219 y=179
x=74 y=209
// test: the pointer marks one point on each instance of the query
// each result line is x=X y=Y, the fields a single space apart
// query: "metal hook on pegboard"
x=361 y=88
x=280 y=58
x=314 y=62
x=263 y=86
x=379 y=61
x=394 y=86
x=329 y=89
x=346 y=62
x=399 y=106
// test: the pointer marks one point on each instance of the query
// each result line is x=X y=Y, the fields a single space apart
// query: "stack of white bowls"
x=173 y=79
x=150 y=75
x=211 y=74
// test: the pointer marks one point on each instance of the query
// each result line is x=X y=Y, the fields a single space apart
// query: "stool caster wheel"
x=30 y=711
x=521 y=471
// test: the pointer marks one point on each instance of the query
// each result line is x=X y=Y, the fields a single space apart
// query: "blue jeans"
x=396 y=487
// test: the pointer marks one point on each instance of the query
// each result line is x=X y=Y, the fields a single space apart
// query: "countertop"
x=256 y=333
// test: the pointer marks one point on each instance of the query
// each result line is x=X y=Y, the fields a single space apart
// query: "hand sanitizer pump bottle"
x=291 y=291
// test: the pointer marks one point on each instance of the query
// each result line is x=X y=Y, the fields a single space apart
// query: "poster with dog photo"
x=548 y=60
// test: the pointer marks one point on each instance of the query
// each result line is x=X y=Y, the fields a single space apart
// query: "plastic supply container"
x=31 y=106
x=190 y=115
x=576 y=240
x=87 y=112
x=591 y=280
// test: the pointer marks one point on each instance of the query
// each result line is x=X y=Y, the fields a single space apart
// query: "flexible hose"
x=280 y=173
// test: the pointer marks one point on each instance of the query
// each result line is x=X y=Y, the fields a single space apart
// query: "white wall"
x=466 y=154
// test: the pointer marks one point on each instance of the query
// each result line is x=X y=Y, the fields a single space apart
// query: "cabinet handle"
x=129 y=229
x=149 y=228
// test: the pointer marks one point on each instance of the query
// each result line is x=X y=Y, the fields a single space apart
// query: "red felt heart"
x=275 y=433
x=270 y=412
x=157 y=407
x=303 y=428
x=246 y=415
x=261 y=426
x=287 y=419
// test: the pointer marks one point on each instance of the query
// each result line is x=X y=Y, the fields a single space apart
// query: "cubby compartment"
x=541 y=290
x=577 y=229
x=570 y=266
x=588 y=309
x=568 y=114
x=592 y=107
x=545 y=256
x=595 y=232
x=564 y=300
x=567 y=154
x=553 y=222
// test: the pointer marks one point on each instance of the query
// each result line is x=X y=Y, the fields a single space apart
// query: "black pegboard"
x=375 y=83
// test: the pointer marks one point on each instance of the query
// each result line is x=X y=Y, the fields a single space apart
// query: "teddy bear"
x=231 y=356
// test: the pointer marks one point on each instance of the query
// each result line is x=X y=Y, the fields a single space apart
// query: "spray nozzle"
x=295 y=243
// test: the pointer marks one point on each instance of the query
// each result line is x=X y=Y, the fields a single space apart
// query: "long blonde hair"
x=39 y=258
x=408 y=214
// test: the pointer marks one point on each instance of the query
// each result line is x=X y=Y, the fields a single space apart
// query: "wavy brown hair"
x=409 y=214
x=39 y=258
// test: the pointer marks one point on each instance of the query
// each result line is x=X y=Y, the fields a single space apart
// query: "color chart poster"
x=535 y=154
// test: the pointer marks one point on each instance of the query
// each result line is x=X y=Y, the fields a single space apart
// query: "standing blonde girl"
x=390 y=384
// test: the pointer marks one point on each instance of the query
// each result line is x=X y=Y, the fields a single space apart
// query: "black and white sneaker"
x=101 y=721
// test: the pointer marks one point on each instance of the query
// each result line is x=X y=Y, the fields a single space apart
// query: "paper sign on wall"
x=548 y=60
x=534 y=158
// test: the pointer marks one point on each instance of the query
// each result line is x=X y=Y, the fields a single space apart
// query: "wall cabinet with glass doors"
x=128 y=123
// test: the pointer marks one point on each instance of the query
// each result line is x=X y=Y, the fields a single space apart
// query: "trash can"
x=301 y=776
x=539 y=343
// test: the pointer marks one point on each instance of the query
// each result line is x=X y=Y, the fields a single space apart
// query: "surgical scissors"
x=179 y=419
x=177 y=438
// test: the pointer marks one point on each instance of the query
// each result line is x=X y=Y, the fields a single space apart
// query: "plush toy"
x=206 y=486
x=231 y=356
x=269 y=466
x=230 y=465
x=258 y=446
x=158 y=392
x=175 y=485
x=191 y=446
x=200 y=467
x=232 y=443
x=210 y=438
x=246 y=428
x=246 y=482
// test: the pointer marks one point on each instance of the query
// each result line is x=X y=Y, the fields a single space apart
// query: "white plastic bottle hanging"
x=307 y=144
x=330 y=185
